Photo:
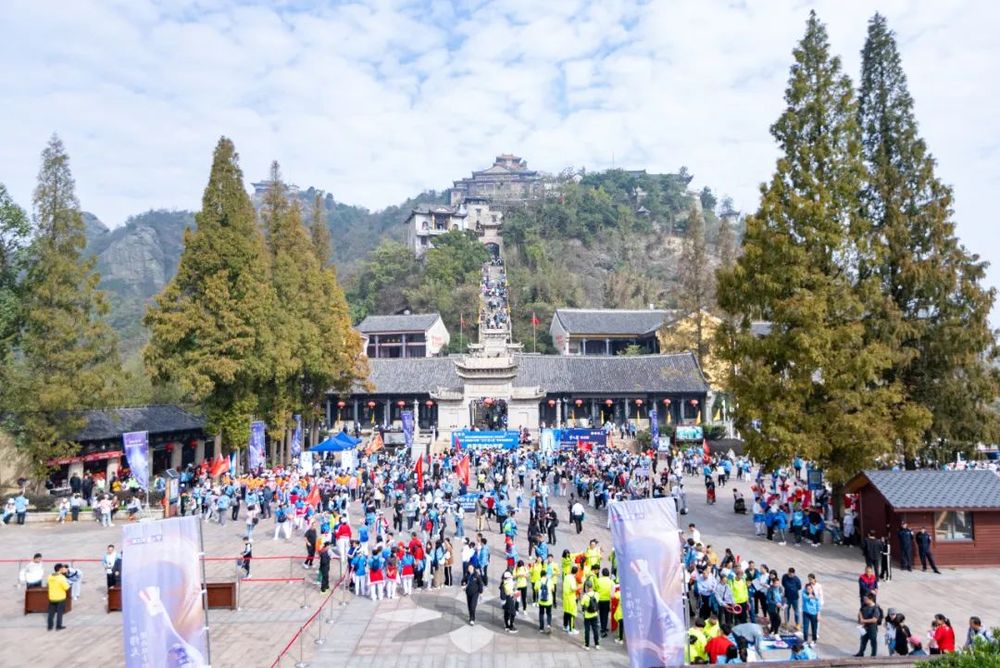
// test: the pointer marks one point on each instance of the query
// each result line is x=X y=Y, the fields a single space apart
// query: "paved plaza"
x=430 y=629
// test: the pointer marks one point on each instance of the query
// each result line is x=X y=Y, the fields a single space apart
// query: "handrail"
x=312 y=618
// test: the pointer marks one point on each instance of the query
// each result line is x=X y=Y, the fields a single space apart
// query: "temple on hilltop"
x=507 y=180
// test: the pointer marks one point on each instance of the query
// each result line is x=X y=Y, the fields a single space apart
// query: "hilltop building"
x=507 y=180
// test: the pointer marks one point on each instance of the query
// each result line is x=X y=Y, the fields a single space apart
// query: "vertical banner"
x=649 y=564
x=654 y=426
x=297 y=437
x=255 y=450
x=136 y=445
x=164 y=618
x=407 y=418
x=306 y=462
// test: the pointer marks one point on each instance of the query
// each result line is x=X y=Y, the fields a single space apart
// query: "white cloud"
x=378 y=99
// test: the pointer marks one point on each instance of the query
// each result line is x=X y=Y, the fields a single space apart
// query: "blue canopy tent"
x=339 y=442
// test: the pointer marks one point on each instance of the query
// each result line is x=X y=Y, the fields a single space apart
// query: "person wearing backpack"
x=591 y=608
x=281 y=524
x=870 y=617
x=546 y=594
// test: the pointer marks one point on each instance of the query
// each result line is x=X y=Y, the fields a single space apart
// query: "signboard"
x=548 y=440
x=507 y=440
x=164 y=621
x=652 y=585
x=654 y=423
x=92 y=457
x=137 y=453
x=689 y=433
x=468 y=501
x=306 y=462
x=815 y=478
x=586 y=438
x=407 y=419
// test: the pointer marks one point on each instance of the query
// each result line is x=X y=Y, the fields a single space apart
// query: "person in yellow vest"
x=569 y=589
x=695 y=651
x=535 y=577
x=58 y=586
x=592 y=556
x=568 y=559
x=741 y=594
x=618 y=614
x=604 y=586
x=590 y=577
x=712 y=627
x=521 y=582
x=546 y=596
x=591 y=607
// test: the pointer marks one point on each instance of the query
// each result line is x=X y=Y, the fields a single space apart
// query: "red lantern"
x=694 y=402
x=578 y=402
x=552 y=402
x=169 y=447
x=193 y=443
x=400 y=403
x=341 y=404
x=371 y=404
x=428 y=403
x=638 y=402
x=666 y=402
x=608 y=403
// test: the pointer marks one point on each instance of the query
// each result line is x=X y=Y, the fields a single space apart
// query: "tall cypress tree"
x=935 y=310
x=68 y=356
x=812 y=385
x=210 y=327
x=15 y=229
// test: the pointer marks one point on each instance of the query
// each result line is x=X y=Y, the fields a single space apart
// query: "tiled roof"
x=111 y=423
x=934 y=489
x=394 y=324
x=639 y=374
x=610 y=321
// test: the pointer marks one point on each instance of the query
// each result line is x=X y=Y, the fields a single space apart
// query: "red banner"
x=92 y=457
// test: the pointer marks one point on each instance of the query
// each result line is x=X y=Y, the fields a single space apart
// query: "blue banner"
x=297 y=437
x=468 y=501
x=689 y=433
x=654 y=426
x=164 y=621
x=136 y=445
x=507 y=440
x=255 y=449
x=407 y=418
x=572 y=438
x=652 y=585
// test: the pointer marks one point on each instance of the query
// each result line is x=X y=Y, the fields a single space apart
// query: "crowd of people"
x=486 y=521
x=494 y=309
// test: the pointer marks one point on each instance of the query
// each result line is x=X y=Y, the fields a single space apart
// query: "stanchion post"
x=301 y=663
x=319 y=629
x=17 y=575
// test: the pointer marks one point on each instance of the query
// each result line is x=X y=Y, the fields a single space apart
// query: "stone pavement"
x=430 y=628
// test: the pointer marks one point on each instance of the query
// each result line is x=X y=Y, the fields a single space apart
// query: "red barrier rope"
x=246 y=580
x=98 y=561
x=308 y=621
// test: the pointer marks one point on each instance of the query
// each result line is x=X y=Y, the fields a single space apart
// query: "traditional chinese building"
x=507 y=180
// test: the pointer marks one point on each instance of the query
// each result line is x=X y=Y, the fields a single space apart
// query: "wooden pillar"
x=199 y=451
x=176 y=456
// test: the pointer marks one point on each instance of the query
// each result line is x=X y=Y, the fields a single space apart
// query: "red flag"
x=419 y=469
x=313 y=499
x=535 y=322
x=458 y=445
x=704 y=445
x=219 y=466
x=462 y=470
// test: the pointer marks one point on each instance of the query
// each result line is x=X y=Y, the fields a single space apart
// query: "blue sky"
x=377 y=100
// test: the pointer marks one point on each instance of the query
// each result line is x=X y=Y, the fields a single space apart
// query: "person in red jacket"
x=944 y=635
x=719 y=645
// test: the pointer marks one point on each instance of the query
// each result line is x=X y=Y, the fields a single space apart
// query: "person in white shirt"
x=694 y=534
x=33 y=572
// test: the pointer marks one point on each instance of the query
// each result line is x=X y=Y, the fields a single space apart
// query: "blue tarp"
x=336 y=443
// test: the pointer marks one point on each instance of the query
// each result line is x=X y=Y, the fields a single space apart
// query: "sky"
x=378 y=100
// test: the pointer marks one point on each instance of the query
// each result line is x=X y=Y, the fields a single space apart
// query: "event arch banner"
x=508 y=440
x=165 y=623
x=648 y=547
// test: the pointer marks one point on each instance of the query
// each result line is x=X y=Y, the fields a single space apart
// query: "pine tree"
x=812 y=385
x=67 y=354
x=210 y=328
x=935 y=311
x=319 y=232
x=725 y=243
x=14 y=236
x=696 y=291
